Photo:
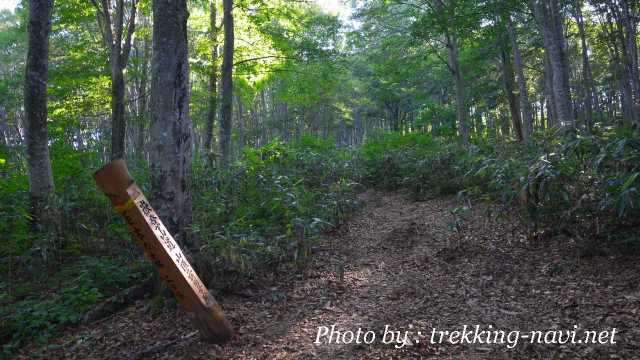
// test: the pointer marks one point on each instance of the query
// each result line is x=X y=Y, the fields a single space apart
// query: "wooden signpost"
x=164 y=252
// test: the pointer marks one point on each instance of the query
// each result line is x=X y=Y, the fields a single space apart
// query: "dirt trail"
x=398 y=263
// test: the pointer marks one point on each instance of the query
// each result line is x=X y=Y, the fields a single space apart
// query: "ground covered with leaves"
x=413 y=266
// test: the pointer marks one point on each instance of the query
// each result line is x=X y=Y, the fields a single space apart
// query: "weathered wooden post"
x=164 y=252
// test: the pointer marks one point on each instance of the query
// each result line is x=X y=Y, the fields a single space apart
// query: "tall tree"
x=112 y=24
x=170 y=143
x=508 y=80
x=213 y=77
x=226 y=113
x=35 y=105
x=446 y=22
x=525 y=106
x=142 y=97
x=550 y=21
x=462 y=112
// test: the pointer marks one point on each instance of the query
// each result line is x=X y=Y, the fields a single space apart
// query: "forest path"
x=405 y=268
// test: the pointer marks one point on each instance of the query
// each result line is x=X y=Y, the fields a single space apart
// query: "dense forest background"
x=252 y=125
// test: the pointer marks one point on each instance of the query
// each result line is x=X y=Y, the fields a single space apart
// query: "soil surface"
x=411 y=266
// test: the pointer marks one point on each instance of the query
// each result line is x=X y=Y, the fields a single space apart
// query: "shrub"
x=585 y=185
x=265 y=211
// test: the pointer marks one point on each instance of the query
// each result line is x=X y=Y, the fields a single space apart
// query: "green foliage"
x=414 y=161
x=587 y=186
x=84 y=218
x=26 y=316
x=267 y=209
x=442 y=118
x=51 y=279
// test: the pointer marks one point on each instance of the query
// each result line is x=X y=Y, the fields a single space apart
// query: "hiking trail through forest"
x=401 y=265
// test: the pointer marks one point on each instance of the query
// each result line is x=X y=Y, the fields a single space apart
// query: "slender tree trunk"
x=589 y=88
x=508 y=79
x=226 y=117
x=170 y=125
x=504 y=125
x=35 y=106
x=254 y=122
x=619 y=57
x=264 y=137
x=118 y=121
x=552 y=116
x=213 y=77
x=241 y=124
x=454 y=67
x=525 y=105
x=143 y=97
x=118 y=45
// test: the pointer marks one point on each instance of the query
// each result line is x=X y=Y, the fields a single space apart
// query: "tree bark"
x=525 y=105
x=170 y=124
x=35 y=105
x=118 y=121
x=226 y=113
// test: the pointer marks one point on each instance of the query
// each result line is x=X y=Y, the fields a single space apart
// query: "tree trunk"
x=589 y=89
x=550 y=27
x=118 y=121
x=112 y=28
x=619 y=58
x=143 y=98
x=170 y=135
x=454 y=67
x=226 y=117
x=630 y=22
x=35 y=106
x=241 y=124
x=525 y=105
x=508 y=79
x=552 y=116
x=213 y=77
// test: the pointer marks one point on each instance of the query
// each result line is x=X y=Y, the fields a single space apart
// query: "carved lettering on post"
x=165 y=254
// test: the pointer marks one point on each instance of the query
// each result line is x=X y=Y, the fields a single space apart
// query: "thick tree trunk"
x=454 y=67
x=508 y=80
x=35 y=106
x=226 y=113
x=549 y=22
x=213 y=77
x=170 y=135
x=525 y=105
